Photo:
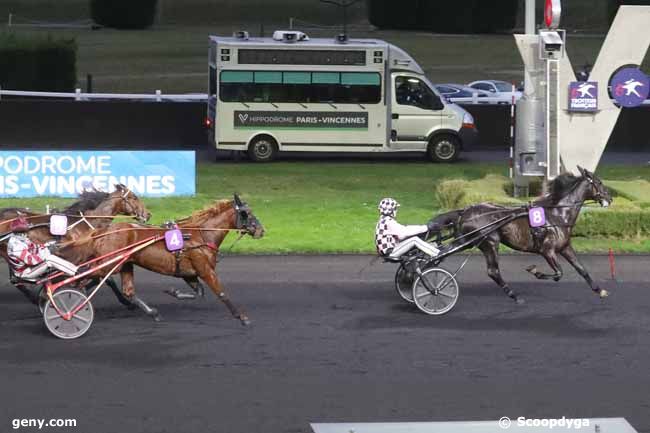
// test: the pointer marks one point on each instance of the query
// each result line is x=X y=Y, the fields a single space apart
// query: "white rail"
x=78 y=95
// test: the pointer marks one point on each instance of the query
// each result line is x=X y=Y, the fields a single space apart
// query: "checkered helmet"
x=388 y=207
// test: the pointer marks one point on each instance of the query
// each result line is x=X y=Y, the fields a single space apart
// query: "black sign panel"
x=301 y=57
x=301 y=119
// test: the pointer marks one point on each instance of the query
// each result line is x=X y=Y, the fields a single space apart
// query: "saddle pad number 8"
x=174 y=240
x=536 y=217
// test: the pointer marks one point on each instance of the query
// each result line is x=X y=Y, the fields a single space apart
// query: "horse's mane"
x=558 y=188
x=216 y=208
x=88 y=200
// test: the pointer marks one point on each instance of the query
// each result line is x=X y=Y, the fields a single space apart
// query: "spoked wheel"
x=438 y=295
x=404 y=282
x=68 y=300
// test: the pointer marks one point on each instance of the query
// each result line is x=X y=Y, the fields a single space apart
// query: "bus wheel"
x=262 y=149
x=443 y=148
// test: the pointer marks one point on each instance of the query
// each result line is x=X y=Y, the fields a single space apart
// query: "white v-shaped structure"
x=585 y=135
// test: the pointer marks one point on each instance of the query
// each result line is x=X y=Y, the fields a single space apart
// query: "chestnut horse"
x=204 y=231
x=92 y=204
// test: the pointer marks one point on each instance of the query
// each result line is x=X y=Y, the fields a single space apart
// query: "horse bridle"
x=128 y=206
x=598 y=196
x=241 y=218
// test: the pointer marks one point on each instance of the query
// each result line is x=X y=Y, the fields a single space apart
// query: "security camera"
x=551 y=44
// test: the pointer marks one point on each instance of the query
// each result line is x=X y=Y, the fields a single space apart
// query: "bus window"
x=413 y=91
x=301 y=87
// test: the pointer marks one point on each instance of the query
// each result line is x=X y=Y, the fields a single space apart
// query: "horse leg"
x=117 y=292
x=490 y=252
x=182 y=295
x=551 y=259
x=570 y=255
x=207 y=274
x=128 y=290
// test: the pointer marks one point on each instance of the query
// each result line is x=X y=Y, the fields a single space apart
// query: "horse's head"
x=127 y=203
x=245 y=219
x=597 y=190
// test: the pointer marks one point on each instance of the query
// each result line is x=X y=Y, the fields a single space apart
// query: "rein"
x=130 y=229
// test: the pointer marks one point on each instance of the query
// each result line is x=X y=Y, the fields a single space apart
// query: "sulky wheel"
x=404 y=282
x=67 y=300
x=435 y=291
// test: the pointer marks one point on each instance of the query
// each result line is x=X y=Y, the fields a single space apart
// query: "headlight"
x=468 y=120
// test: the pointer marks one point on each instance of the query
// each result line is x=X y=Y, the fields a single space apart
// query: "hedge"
x=621 y=224
x=123 y=14
x=459 y=16
x=37 y=63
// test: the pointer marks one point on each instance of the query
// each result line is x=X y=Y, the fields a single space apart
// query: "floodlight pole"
x=343 y=5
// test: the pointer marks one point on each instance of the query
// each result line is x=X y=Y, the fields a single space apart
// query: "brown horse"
x=83 y=216
x=204 y=231
x=567 y=194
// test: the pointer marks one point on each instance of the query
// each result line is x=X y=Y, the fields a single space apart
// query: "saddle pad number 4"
x=536 y=217
x=174 y=240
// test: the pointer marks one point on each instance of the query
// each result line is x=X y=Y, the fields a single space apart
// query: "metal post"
x=89 y=83
x=530 y=17
x=290 y=23
x=9 y=21
x=521 y=183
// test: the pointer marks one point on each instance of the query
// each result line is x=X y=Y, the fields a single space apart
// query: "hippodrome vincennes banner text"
x=66 y=173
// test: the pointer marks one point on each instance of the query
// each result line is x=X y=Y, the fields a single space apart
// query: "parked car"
x=459 y=93
x=499 y=89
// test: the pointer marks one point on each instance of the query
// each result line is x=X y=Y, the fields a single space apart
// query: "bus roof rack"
x=289 y=36
x=241 y=34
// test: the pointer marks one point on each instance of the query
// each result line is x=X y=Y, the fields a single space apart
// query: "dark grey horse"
x=566 y=196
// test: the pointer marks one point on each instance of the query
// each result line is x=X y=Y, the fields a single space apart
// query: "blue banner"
x=66 y=173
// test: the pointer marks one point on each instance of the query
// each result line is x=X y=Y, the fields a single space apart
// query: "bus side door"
x=416 y=112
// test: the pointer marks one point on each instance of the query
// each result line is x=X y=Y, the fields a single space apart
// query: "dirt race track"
x=332 y=342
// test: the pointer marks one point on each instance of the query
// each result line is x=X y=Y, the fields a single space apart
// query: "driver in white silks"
x=30 y=260
x=394 y=239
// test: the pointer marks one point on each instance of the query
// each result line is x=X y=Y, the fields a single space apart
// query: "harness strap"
x=177 y=270
x=83 y=219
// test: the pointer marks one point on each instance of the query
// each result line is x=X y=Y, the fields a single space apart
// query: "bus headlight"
x=468 y=121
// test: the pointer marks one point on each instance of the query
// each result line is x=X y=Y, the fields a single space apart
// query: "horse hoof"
x=532 y=269
x=180 y=294
x=245 y=321
x=157 y=318
x=603 y=293
x=520 y=301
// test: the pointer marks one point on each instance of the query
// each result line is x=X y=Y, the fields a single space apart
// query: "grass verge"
x=330 y=207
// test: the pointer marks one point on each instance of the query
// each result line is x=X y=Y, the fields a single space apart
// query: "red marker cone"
x=612 y=264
